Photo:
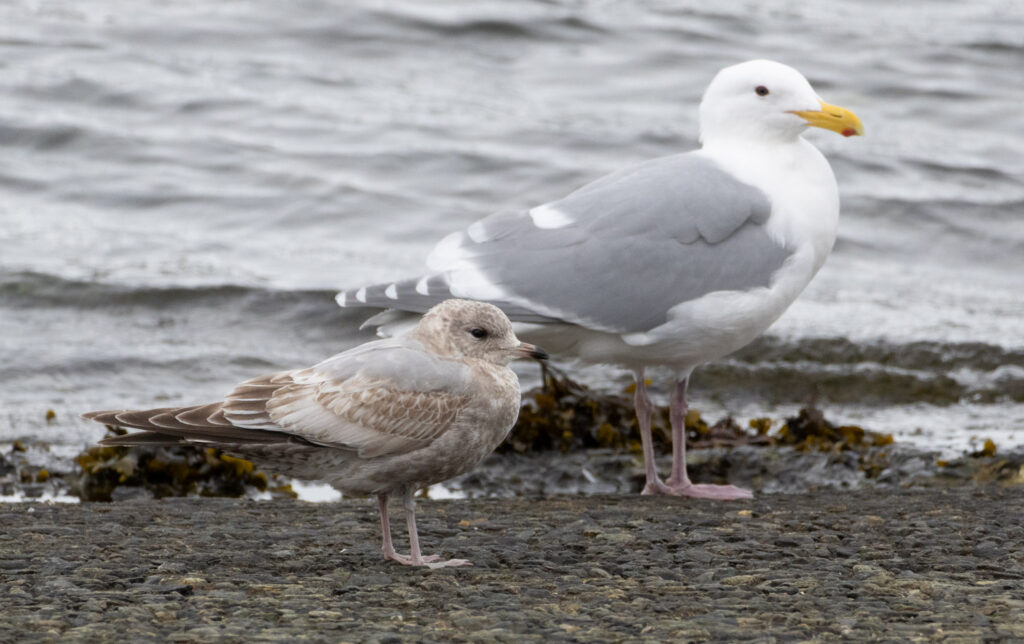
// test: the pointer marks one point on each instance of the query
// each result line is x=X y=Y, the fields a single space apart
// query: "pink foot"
x=450 y=563
x=708 y=491
x=430 y=561
x=656 y=487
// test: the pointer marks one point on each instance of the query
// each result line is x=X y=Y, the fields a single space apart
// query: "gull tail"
x=405 y=300
x=413 y=295
x=170 y=426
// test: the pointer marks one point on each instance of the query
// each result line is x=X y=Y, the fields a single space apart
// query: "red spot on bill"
x=849 y=131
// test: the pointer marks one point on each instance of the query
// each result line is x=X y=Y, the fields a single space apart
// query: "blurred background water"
x=184 y=185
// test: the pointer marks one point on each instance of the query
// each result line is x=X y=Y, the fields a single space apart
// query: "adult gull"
x=672 y=262
x=388 y=416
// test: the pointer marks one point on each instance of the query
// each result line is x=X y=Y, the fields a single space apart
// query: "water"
x=184 y=186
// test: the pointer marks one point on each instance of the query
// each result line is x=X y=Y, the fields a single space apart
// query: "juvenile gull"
x=672 y=262
x=386 y=417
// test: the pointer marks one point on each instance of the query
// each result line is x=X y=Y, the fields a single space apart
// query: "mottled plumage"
x=388 y=416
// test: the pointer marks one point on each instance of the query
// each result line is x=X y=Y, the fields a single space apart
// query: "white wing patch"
x=456 y=260
x=477 y=232
x=549 y=217
x=421 y=286
x=447 y=252
x=466 y=281
x=391 y=292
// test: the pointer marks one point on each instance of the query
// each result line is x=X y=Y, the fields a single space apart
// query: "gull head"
x=468 y=329
x=765 y=101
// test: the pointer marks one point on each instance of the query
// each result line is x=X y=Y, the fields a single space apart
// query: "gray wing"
x=381 y=398
x=615 y=255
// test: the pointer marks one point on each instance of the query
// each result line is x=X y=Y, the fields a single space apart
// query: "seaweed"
x=810 y=431
x=565 y=415
x=166 y=470
x=560 y=415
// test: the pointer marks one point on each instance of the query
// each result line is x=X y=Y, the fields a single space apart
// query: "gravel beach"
x=900 y=564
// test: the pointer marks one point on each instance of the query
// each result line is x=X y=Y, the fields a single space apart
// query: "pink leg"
x=385 y=525
x=643 y=407
x=414 y=558
x=679 y=482
x=677 y=409
x=433 y=561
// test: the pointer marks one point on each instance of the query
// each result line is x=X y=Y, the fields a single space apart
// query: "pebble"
x=907 y=565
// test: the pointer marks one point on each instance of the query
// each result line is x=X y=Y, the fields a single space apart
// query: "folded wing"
x=381 y=398
x=616 y=255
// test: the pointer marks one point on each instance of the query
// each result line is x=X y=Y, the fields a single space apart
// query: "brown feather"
x=234 y=406
x=253 y=391
x=141 y=438
x=165 y=422
x=203 y=416
x=138 y=418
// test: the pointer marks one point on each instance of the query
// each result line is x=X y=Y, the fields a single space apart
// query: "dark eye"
x=478 y=333
x=761 y=90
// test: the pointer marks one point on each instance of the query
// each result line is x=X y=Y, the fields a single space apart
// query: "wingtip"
x=101 y=416
x=342 y=298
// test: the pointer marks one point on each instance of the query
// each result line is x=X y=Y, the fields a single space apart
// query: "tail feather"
x=204 y=416
x=126 y=417
x=414 y=295
x=419 y=295
x=142 y=438
x=171 y=425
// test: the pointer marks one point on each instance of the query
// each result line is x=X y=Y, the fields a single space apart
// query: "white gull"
x=672 y=262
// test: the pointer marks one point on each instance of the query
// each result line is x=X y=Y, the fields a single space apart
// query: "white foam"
x=439 y=491
x=315 y=492
x=47 y=497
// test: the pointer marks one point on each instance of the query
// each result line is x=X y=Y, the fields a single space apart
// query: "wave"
x=833 y=369
x=33 y=289
x=838 y=370
x=27 y=289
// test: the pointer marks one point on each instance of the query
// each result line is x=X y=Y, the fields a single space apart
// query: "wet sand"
x=894 y=564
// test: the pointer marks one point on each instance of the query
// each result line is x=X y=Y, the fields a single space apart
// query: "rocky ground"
x=897 y=564
x=851 y=536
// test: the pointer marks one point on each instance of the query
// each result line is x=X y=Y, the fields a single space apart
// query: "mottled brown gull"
x=672 y=262
x=387 y=417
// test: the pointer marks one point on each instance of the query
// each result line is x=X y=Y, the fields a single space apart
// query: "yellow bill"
x=835 y=118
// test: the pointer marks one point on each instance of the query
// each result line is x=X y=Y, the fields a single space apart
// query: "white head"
x=761 y=100
x=468 y=329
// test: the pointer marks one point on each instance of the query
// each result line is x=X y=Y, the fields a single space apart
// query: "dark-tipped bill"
x=527 y=350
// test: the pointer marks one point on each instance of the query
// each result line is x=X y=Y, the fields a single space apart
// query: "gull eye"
x=761 y=90
x=478 y=333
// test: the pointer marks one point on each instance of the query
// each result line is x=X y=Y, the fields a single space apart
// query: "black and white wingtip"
x=415 y=295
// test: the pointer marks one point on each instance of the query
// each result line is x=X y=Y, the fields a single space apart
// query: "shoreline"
x=568 y=439
x=909 y=563
x=765 y=469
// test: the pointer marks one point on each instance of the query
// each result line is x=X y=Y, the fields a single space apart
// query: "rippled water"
x=184 y=185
